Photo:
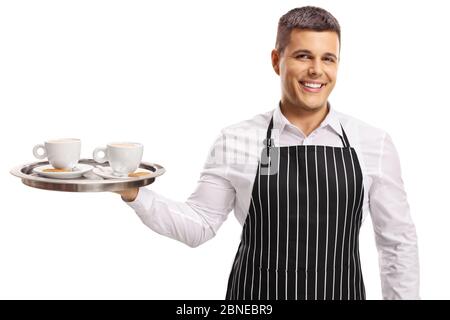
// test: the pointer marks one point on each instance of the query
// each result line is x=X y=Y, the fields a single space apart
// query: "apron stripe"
x=352 y=263
x=261 y=249
x=254 y=250
x=331 y=221
x=286 y=215
x=298 y=225
x=346 y=231
x=302 y=199
x=276 y=237
x=327 y=223
x=244 y=249
x=245 y=261
x=361 y=291
x=248 y=242
x=317 y=225
x=336 y=223
x=321 y=222
x=268 y=223
x=307 y=224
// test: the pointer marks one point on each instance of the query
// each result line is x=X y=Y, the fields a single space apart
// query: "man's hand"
x=128 y=195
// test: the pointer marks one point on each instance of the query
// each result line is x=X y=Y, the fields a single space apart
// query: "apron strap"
x=268 y=142
x=345 y=141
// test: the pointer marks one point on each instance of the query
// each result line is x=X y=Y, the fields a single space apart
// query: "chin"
x=313 y=105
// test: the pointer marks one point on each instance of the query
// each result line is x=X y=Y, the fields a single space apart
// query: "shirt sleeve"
x=196 y=220
x=395 y=233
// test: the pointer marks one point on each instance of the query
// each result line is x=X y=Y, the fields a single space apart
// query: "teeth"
x=312 y=85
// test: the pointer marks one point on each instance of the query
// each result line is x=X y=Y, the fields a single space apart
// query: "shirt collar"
x=280 y=121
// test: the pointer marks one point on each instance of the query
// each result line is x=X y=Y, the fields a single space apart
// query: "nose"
x=315 y=69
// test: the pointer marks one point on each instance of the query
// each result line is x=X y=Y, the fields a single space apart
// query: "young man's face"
x=308 y=68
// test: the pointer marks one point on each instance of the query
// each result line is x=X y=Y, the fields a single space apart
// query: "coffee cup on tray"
x=62 y=154
x=123 y=157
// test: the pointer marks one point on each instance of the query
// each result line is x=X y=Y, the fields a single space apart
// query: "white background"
x=171 y=74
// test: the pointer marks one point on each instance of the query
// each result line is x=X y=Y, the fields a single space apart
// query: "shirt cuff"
x=143 y=201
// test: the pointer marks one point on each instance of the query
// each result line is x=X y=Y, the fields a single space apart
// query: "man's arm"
x=198 y=218
x=395 y=233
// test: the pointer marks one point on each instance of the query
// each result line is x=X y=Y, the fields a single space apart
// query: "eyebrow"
x=328 y=54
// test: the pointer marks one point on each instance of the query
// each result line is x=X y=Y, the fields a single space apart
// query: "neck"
x=306 y=120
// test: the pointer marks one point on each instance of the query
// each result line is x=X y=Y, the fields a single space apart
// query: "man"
x=302 y=194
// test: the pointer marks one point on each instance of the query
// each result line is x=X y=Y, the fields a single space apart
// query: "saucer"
x=77 y=172
x=107 y=173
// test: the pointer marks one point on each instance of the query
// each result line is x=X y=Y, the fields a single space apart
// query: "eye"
x=328 y=59
x=303 y=56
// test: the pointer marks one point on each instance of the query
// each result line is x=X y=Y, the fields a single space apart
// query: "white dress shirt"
x=227 y=178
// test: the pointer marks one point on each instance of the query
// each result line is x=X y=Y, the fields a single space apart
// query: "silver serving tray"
x=89 y=182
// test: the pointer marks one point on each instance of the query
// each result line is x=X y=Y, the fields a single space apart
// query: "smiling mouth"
x=312 y=86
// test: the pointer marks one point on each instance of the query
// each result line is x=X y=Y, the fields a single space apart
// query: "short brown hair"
x=309 y=18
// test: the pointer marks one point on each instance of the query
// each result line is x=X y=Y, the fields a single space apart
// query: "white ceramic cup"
x=61 y=153
x=123 y=157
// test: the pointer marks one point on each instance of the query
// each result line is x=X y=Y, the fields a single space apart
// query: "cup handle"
x=36 y=149
x=97 y=158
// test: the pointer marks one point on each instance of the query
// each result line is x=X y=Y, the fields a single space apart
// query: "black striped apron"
x=300 y=237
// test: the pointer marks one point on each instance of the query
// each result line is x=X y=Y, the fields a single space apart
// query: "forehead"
x=315 y=41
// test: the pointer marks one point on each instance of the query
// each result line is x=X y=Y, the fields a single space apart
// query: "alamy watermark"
x=246 y=146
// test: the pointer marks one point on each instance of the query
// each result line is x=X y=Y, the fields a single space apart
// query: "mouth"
x=312 y=86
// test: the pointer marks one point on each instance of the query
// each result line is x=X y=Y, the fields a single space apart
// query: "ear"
x=276 y=61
